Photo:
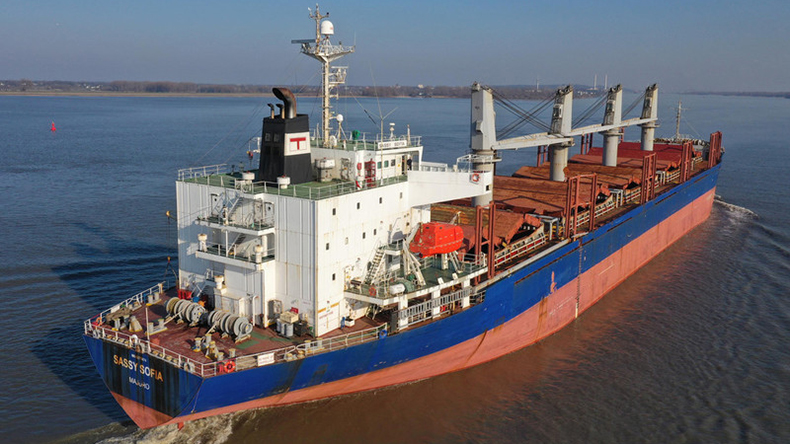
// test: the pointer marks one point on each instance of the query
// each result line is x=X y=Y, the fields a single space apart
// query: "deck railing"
x=425 y=310
x=364 y=142
x=203 y=171
x=134 y=301
x=248 y=222
x=469 y=263
x=520 y=248
x=624 y=197
x=233 y=251
x=313 y=192
x=95 y=327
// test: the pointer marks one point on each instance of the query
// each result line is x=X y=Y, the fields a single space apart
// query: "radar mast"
x=325 y=52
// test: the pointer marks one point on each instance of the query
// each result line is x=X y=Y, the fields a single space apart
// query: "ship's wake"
x=735 y=208
x=760 y=234
x=213 y=430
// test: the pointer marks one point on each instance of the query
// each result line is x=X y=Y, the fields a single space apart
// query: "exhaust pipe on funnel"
x=288 y=98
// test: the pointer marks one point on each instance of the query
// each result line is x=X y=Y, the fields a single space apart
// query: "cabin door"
x=330 y=318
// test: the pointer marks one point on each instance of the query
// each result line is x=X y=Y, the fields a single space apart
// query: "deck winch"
x=229 y=323
x=185 y=310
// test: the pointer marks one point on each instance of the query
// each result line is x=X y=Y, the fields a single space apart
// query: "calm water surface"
x=692 y=348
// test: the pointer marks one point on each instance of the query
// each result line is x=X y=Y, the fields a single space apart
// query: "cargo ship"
x=347 y=263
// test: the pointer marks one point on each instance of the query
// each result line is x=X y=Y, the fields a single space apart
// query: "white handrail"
x=94 y=327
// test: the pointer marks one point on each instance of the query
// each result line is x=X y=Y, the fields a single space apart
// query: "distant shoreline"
x=124 y=88
x=453 y=95
x=166 y=94
x=785 y=95
x=126 y=94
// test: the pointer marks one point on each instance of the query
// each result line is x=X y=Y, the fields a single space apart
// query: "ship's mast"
x=677 y=120
x=325 y=52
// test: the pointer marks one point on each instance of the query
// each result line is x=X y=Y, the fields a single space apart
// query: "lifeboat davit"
x=437 y=238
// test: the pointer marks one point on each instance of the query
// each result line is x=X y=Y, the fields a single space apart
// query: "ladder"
x=233 y=249
x=375 y=267
x=228 y=207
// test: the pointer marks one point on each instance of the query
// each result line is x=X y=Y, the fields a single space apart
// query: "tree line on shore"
x=514 y=92
x=164 y=87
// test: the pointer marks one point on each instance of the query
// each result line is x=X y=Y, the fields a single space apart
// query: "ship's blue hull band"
x=143 y=378
x=511 y=294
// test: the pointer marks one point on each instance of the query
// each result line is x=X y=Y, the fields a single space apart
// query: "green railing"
x=312 y=190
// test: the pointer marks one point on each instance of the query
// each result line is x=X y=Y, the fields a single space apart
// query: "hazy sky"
x=681 y=44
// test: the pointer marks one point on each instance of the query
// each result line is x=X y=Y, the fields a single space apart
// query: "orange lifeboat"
x=437 y=238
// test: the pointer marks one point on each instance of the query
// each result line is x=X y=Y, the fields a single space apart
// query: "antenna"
x=378 y=103
x=381 y=118
x=325 y=52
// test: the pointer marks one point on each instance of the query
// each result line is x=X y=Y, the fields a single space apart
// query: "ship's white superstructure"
x=301 y=247
x=266 y=247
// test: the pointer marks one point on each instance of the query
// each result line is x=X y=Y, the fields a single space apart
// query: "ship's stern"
x=151 y=390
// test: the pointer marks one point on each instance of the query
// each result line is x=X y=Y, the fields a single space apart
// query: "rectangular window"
x=334 y=211
x=378 y=165
x=357 y=205
x=333 y=276
x=363 y=235
x=327 y=245
x=381 y=200
x=386 y=163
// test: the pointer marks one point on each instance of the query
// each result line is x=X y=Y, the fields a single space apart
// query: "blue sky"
x=682 y=45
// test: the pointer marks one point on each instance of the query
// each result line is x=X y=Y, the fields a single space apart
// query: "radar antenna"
x=325 y=52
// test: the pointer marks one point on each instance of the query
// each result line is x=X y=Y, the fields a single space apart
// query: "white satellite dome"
x=327 y=28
